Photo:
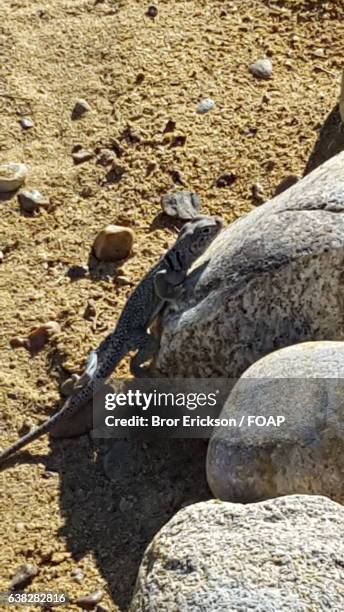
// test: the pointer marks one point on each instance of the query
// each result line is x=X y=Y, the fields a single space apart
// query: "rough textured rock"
x=280 y=555
x=181 y=204
x=269 y=280
x=305 y=453
x=114 y=242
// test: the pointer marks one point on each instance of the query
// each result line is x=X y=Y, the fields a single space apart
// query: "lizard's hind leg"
x=148 y=347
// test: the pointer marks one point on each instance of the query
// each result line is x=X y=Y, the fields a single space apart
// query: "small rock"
x=115 y=173
x=262 y=69
x=114 y=242
x=47 y=474
x=86 y=191
x=123 y=280
x=90 y=601
x=181 y=204
x=152 y=11
x=225 y=180
x=105 y=157
x=204 y=106
x=81 y=156
x=77 y=271
x=78 y=575
x=1 y=257
x=26 y=123
x=31 y=201
x=81 y=108
x=258 y=194
x=12 y=176
x=319 y=52
x=59 y=557
x=169 y=127
x=90 y=311
x=18 y=342
x=23 y=576
x=39 y=336
x=26 y=427
x=287 y=182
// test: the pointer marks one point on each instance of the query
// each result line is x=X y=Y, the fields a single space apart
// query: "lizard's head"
x=196 y=235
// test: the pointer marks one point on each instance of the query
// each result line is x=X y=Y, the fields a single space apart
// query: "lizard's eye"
x=205 y=230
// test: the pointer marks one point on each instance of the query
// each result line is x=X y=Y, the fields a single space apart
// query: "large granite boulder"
x=275 y=556
x=287 y=436
x=269 y=280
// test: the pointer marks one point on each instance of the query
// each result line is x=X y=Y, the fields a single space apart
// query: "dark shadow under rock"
x=330 y=141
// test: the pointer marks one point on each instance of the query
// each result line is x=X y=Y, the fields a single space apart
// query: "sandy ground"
x=137 y=74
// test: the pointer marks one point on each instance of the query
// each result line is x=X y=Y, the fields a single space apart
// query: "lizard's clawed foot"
x=149 y=346
x=69 y=385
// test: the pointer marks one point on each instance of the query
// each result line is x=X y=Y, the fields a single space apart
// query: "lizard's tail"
x=71 y=405
x=76 y=401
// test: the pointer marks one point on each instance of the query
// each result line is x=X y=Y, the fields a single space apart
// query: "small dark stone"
x=225 y=180
x=177 y=177
x=81 y=108
x=170 y=126
x=26 y=123
x=82 y=155
x=90 y=601
x=23 y=576
x=105 y=157
x=115 y=173
x=77 y=271
x=152 y=11
x=90 y=311
x=258 y=194
x=181 y=204
x=86 y=191
x=49 y=474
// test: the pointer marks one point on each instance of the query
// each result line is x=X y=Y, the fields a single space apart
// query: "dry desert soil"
x=142 y=77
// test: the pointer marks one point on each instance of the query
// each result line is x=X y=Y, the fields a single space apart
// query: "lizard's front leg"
x=148 y=346
x=168 y=286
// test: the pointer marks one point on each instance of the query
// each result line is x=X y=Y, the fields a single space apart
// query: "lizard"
x=163 y=283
